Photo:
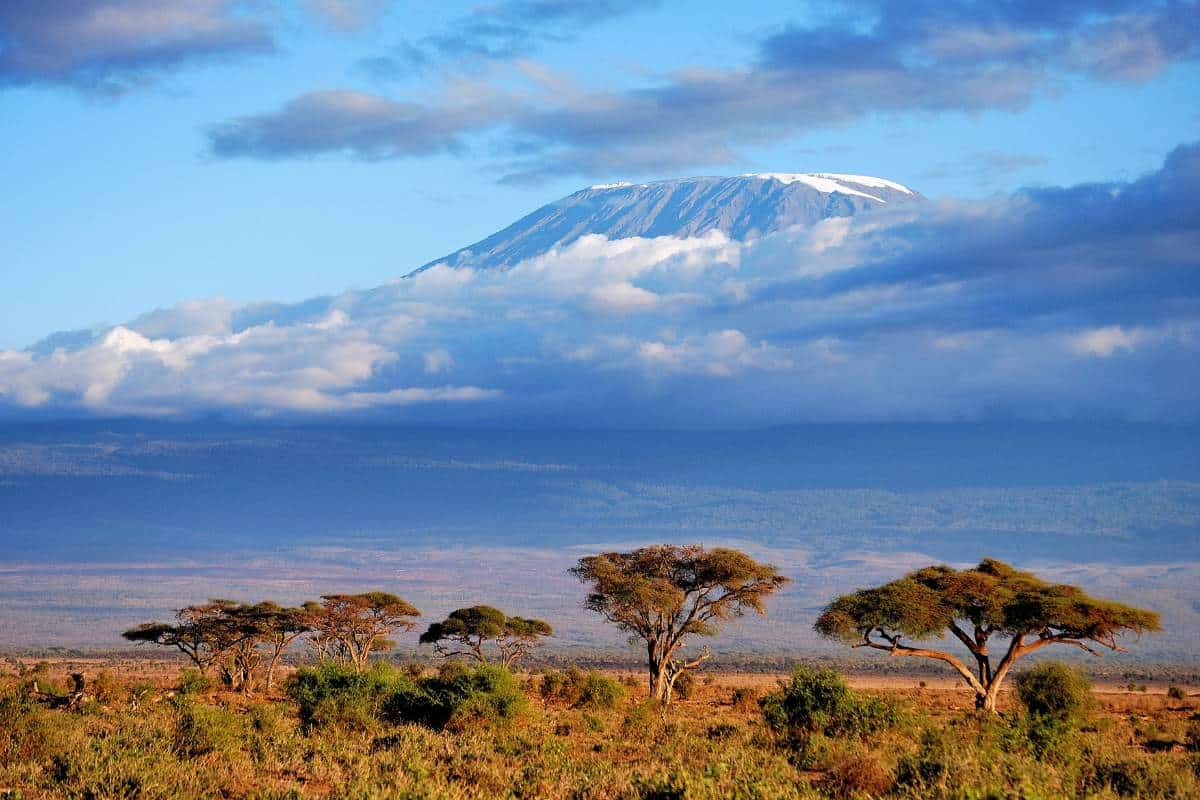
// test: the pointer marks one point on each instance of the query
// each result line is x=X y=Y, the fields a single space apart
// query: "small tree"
x=667 y=593
x=975 y=606
x=467 y=630
x=347 y=628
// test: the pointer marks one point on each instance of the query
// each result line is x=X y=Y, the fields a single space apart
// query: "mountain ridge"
x=741 y=207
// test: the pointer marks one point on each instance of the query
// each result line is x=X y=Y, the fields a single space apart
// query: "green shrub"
x=486 y=696
x=28 y=732
x=1142 y=776
x=578 y=689
x=931 y=765
x=821 y=702
x=108 y=690
x=452 y=669
x=685 y=686
x=1176 y=693
x=461 y=700
x=202 y=729
x=193 y=681
x=599 y=692
x=338 y=696
x=1056 y=691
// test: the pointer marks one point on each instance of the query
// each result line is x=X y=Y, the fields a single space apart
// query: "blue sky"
x=157 y=153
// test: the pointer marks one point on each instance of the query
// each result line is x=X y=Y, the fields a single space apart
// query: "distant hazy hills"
x=740 y=207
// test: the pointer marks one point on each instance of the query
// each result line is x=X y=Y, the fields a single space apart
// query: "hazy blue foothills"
x=111 y=522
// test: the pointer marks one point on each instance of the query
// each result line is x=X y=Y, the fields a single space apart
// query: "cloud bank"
x=1081 y=301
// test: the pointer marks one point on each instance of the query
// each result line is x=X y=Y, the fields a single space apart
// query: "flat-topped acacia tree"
x=667 y=593
x=468 y=631
x=977 y=606
x=347 y=628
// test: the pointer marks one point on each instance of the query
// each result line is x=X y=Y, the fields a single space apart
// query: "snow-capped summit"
x=741 y=207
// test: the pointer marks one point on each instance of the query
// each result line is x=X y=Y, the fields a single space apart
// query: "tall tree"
x=466 y=631
x=978 y=606
x=349 y=627
x=668 y=593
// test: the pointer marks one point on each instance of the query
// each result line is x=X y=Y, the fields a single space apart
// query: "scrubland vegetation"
x=238 y=722
x=483 y=731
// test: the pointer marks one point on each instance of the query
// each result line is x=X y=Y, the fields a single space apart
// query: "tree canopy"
x=466 y=631
x=349 y=627
x=975 y=605
x=665 y=594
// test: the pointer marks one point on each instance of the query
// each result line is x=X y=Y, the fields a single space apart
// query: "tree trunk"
x=660 y=684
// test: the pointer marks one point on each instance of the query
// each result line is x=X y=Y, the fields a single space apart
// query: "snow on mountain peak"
x=742 y=208
x=830 y=182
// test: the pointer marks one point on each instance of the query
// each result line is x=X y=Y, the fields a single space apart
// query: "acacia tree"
x=229 y=636
x=976 y=606
x=466 y=630
x=667 y=593
x=201 y=632
x=349 y=627
x=281 y=626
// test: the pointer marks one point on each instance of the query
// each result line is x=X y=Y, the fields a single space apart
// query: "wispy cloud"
x=500 y=31
x=874 y=58
x=1057 y=302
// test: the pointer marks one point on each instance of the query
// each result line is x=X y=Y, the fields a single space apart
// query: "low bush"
x=578 y=689
x=482 y=696
x=1142 y=776
x=333 y=695
x=108 y=690
x=1054 y=690
x=193 y=681
x=685 y=686
x=1176 y=693
x=857 y=773
x=202 y=729
x=821 y=702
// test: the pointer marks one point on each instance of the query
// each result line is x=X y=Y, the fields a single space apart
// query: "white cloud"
x=884 y=316
x=1103 y=342
x=439 y=360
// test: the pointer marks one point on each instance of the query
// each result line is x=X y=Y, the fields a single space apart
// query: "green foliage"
x=1176 y=693
x=1134 y=775
x=107 y=690
x=27 y=732
x=469 y=629
x=192 y=681
x=474 y=698
x=819 y=701
x=1057 y=698
x=575 y=688
x=1055 y=691
x=202 y=729
x=338 y=695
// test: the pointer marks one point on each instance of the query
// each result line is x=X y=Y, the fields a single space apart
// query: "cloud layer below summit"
x=1051 y=303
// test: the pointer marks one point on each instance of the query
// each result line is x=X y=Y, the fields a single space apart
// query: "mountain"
x=741 y=207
